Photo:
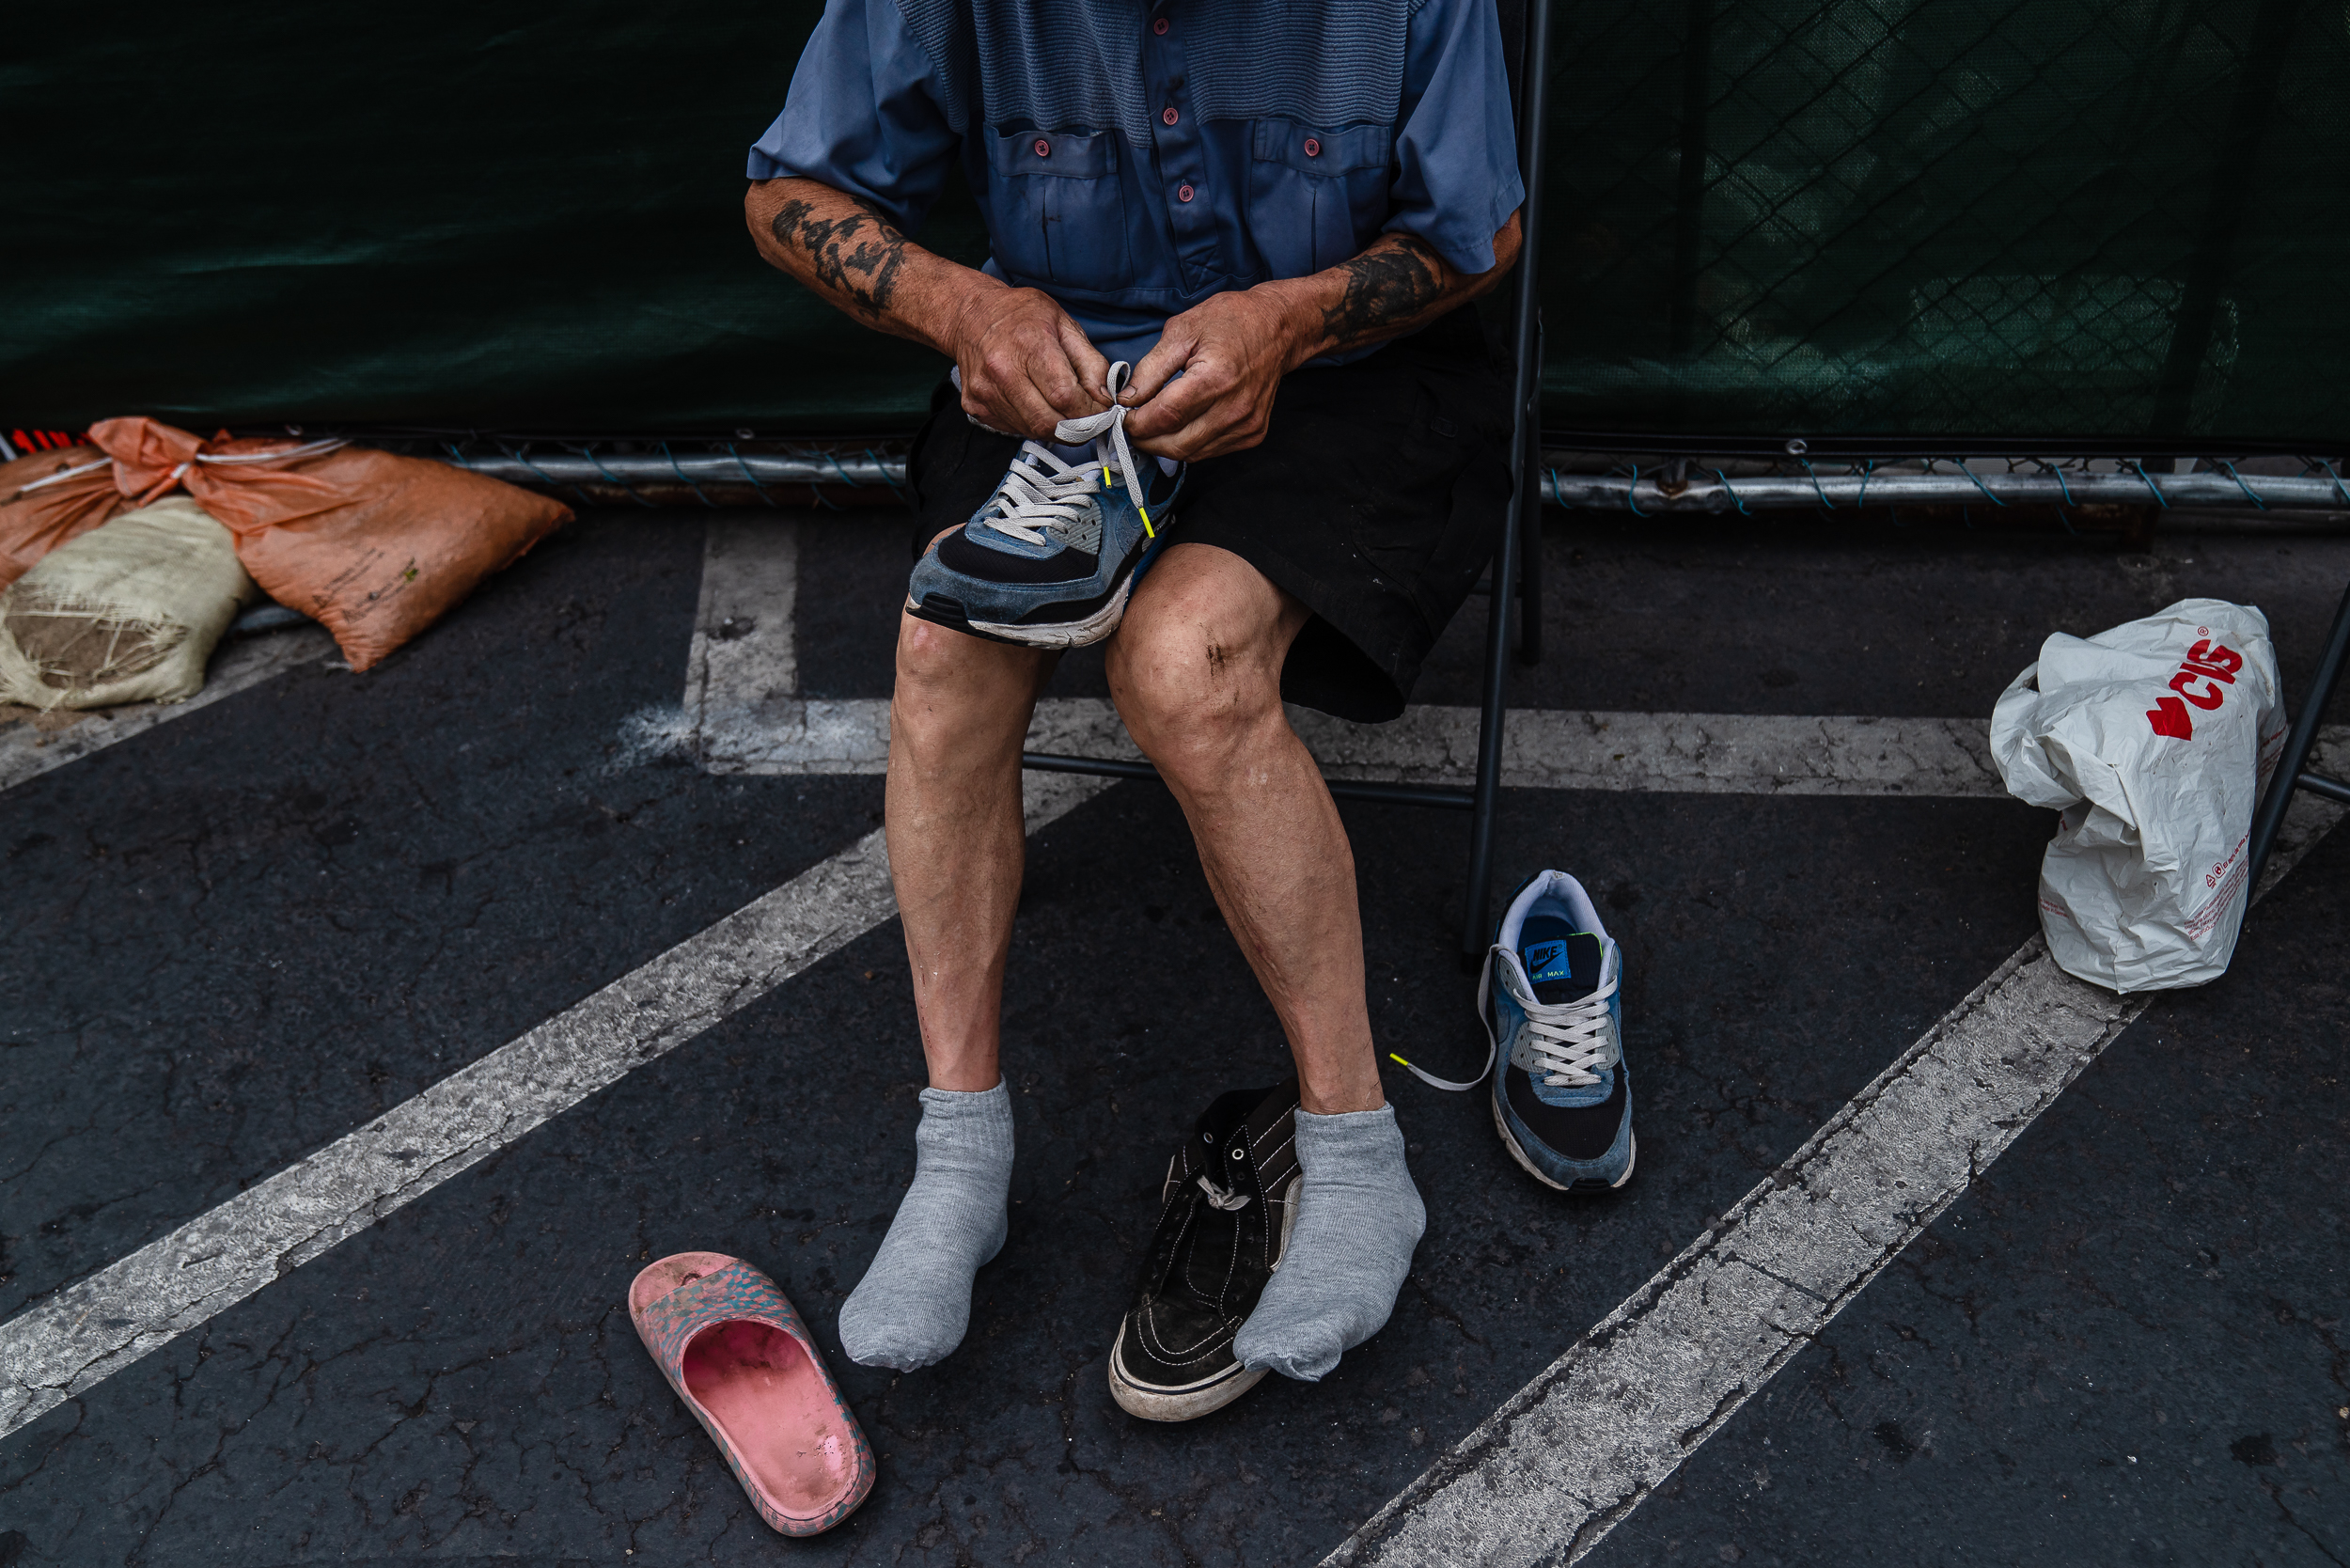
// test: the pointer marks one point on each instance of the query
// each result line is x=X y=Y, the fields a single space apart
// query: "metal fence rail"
x=877 y=476
x=1957 y=487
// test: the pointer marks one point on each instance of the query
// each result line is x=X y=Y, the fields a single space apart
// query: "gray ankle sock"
x=912 y=1304
x=1358 y=1218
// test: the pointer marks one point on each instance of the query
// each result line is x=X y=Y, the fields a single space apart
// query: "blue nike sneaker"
x=1050 y=559
x=1551 y=1000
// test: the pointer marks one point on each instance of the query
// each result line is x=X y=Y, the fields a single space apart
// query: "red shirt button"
x=1313 y=147
x=1044 y=147
x=1159 y=26
x=1169 y=114
x=1182 y=192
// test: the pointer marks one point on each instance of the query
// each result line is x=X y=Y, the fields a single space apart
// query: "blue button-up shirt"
x=1132 y=157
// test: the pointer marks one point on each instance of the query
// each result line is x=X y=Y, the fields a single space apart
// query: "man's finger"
x=1093 y=366
x=1010 y=402
x=1058 y=381
x=1183 y=405
x=1216 y=431
x=1169 y=354
x=1203 y=385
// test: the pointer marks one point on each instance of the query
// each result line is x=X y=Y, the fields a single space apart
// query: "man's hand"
x=1231 y=351
x=1026 y=365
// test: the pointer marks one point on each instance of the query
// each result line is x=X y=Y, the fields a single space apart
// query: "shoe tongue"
x=1563 y=963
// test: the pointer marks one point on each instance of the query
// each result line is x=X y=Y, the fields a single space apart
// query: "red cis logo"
x=2208 y=661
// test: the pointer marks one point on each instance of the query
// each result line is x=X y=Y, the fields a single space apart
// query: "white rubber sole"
x=1186 y=1404
x=1194 y=1400
x=1508 y=1141
x=1066 y=634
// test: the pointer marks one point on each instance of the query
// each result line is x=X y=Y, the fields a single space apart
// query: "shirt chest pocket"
x=1058 y=213
x=1316 y=196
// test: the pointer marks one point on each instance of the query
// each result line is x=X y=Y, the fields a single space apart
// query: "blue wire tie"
x=816 y=487
x=1864 y=483
x=747 y=474
x=689 y=483
x=1627 y=490
x=1731 y=492
x=2150 y=483
x=523 y=459
x=2240 y=484
x=589 y=453
x=1816 y=488
x=1552 y=497
x=1979 y=484
x=834 y=458
x=2336 y=478
x=2059 y=479
x=883 y=469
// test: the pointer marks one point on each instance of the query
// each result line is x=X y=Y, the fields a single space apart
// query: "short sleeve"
x=1456 y=147
x=863 y=115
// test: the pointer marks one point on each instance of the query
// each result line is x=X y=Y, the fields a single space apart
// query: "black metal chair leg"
x=2289 y=776
x=1531 y=521
x=1533 y=95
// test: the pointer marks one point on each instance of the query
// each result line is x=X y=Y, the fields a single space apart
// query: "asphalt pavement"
x=238 y=936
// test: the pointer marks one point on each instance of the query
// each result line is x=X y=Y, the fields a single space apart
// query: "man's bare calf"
x=1196 y=671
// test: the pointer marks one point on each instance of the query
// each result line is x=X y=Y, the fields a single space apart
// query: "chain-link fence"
x=2115 y=223
x=2092 y=224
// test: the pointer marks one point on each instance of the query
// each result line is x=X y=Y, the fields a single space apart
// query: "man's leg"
x=1196 y=669
x=956 y=849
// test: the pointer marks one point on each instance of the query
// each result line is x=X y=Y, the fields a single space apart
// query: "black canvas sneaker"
x=1224 y=1216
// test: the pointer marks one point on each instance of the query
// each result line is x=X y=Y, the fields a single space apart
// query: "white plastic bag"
x=127 y=612
x=2153 y=739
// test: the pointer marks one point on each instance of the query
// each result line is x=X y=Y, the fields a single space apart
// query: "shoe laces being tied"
x=1040 y=496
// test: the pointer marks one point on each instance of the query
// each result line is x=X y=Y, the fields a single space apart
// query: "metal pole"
x=875 y=477
x=1534 y=94
x=1530 y=541
x=2134 y=485
x=2288 y=775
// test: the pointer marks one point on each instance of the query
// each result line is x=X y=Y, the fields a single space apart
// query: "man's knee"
x=952 y=685
x=1191 y=678
x=931 y=655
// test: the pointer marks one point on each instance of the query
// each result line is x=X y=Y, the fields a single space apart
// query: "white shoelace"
x=1570 y=1039
x=1040 y=496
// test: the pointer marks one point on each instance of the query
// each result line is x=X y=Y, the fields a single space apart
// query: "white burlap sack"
x=2153 y=740
x=128 y=612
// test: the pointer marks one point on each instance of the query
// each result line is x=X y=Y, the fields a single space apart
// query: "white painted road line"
x=94 y=1328
x=743 y=714
x=28 y=750
x=1546 y=1477
x=1747 y=754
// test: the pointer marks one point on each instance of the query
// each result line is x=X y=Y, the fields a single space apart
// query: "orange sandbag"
x=374 y=547
x=48 y=499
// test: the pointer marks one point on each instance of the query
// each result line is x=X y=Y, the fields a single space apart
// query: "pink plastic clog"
x=741 y=1359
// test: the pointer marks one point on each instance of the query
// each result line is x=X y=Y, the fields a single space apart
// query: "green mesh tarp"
x=1922 y=220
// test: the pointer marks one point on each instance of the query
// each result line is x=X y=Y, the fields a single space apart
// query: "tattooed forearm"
x=856 y=256
x=1386 y=286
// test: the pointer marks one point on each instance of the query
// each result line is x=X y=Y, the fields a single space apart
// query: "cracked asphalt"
x=239 y=935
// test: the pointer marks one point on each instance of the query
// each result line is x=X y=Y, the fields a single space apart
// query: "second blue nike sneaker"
x=1552 y=999
x=1050 y=559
